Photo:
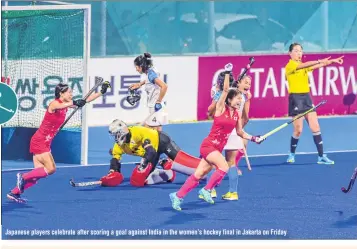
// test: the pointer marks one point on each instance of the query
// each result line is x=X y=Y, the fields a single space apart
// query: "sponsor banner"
x=334 y=83
x=180 y=73
x=34 y=82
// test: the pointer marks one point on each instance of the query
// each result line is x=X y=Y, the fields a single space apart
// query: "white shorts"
x=234 y=142
x=157 y=118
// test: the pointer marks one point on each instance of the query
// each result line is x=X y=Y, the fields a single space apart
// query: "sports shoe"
x=291 y=158
x=213 y=194
x=15 y=197
x=206 y=194
x=175 y=201
x=230 y=196
x=20 y=182
x=324 y=160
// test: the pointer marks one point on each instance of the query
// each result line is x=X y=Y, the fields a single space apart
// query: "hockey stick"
x=291 y=121
x=241 y=76
x=84 y=184
x=251 y=62
x=352 y=181
x=247 y=159
x=98 y=82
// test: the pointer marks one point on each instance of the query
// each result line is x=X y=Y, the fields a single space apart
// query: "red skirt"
x=208 y=147
x=39 y=144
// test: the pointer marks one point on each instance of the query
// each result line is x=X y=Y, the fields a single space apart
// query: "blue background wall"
x=239 y=27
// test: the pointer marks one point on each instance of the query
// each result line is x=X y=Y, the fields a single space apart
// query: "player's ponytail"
x=60 y=88
x=147 y=55
x=148 y=60
x=144 y=61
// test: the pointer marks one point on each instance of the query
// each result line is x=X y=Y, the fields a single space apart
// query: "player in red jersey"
x=226 y=118
x=40 y=145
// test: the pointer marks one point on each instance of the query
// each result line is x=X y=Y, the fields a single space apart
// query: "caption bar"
x=148 y=232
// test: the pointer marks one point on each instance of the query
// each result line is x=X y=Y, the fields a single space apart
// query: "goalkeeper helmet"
x=119 y=131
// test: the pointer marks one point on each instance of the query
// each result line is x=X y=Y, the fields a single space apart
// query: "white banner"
x=34 y=82
x=180 y=74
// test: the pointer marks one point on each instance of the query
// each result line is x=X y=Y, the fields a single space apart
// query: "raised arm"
x=221 y=101
x=103 y=90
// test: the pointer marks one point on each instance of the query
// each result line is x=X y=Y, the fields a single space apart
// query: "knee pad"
x=112 y=179
x=138 y=177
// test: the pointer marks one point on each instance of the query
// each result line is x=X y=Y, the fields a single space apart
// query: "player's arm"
x=326 y=62
x=292 y=66
x=163 y=89
x=102 y=91
x=55 y=105
x=150 y=153
x=212 y=108
x=140 y=84
x=154 y=78
x=221 y=101
x=243 y=134
x=137 y=85
x=116 y=152
x=246 y=108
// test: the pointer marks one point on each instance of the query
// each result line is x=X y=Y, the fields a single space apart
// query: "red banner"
x=334 y=83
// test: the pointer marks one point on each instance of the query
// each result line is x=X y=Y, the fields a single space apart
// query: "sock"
x=159 y=176
x=29 y=184
x=35 y=174
x=189 y=184
x=318 y=142
x=293 y=144
x=240 y=154
x=216 y=178
x=233 y=179
x=209 y=175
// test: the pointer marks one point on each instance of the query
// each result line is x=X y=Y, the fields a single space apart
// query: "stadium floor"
x=303 y=199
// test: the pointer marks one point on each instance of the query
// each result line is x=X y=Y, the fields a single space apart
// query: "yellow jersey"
x=135 y=147
x=298 y=80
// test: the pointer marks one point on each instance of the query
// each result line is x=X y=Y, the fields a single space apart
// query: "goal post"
x=46 y=45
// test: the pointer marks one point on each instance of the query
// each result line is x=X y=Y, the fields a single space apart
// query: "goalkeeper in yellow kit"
x=148 y=144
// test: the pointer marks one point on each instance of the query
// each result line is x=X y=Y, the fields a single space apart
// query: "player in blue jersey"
x=155 y=89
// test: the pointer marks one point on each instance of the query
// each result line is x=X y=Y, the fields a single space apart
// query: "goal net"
x=42 y=47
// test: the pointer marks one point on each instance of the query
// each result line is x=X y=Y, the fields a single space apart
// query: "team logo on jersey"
x=216 y=141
